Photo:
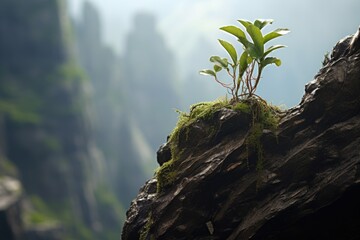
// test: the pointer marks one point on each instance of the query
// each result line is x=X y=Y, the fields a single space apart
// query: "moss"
x=200 y=111
x=69 y=73
x=253 y=144
x=77 y=228
x=7 y=168
x=23 y=109
x=11 y=109
x=39 y=213
x=242 y=107
x=37 y=218
x=204 y=111
x=165 y=175
x=264 y=116
x=52 y=143
x=144 y=232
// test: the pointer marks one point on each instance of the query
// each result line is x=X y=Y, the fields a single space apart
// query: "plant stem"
x=248 y=79
x=258 y=77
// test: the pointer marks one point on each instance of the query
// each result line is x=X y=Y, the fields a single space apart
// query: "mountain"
x=113 y=132
x=151 y=79
x=222 y=178
x=50 y=178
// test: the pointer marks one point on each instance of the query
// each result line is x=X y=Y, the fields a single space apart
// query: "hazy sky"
x=316 y=25
x=175 y=18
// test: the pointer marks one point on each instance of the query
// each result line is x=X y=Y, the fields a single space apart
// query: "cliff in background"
x=150 y=85
x=307 y=186
x=113 y=130
x=45 y=136
x=129 y=116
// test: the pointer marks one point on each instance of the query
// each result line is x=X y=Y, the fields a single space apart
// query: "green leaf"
x=217 y=68
x=274 y=34
x=270 y=60
x=245 y=23
x=230 y=49
x=245 y=42
x=257 y=38
x=260 y=23
x=243 y=62
x=272 y=48
x=208 y=72
x=253 y=52
x=237 y=32
x=249 y=60
x=223 y=62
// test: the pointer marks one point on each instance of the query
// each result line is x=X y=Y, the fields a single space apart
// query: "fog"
x=89 y=91
x=188 y=25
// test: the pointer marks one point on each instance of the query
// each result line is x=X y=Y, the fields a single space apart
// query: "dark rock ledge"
x=309 y=187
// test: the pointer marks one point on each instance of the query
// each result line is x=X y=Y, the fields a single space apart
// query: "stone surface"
x=309 y=187
x=44 y=129
x=11 y=226
x=163 y=154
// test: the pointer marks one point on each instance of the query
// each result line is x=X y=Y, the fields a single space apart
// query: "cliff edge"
x=308 y=186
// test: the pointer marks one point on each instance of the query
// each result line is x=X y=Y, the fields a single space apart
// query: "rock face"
x=11 y=226
x=308 y=187
x=44 y=129
x=112 y=132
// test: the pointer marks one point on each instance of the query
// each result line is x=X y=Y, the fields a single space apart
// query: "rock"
x=11 y=226
x=163 y=154
x=307 y=188
x=45 y=133
x=139 y=208
x=230 y=121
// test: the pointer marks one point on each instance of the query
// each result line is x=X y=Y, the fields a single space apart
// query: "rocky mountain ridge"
x=309 y=184
x=49 y=176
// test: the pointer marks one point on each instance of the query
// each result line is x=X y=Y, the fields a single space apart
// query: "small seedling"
x=245 y=71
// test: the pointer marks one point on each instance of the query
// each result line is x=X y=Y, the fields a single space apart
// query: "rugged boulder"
x=307 y=188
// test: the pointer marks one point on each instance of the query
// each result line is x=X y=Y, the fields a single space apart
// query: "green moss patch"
x=204 y=111
x=144 y=232
x=166 y=175
x=39 y=213
x=200 y=111
x=7 y=168
x=263 y=116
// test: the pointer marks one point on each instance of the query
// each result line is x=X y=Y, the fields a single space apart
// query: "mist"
x=90 y=89
x=191 y=28
x=186 y=36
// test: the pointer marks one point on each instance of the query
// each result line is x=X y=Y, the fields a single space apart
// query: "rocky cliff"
x=308 y=184
x=44 y=128
x=113 y=130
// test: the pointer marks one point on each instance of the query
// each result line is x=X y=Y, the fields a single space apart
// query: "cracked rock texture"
x=309 y=187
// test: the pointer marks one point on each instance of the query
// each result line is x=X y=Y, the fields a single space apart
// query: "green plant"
x=245 y=71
